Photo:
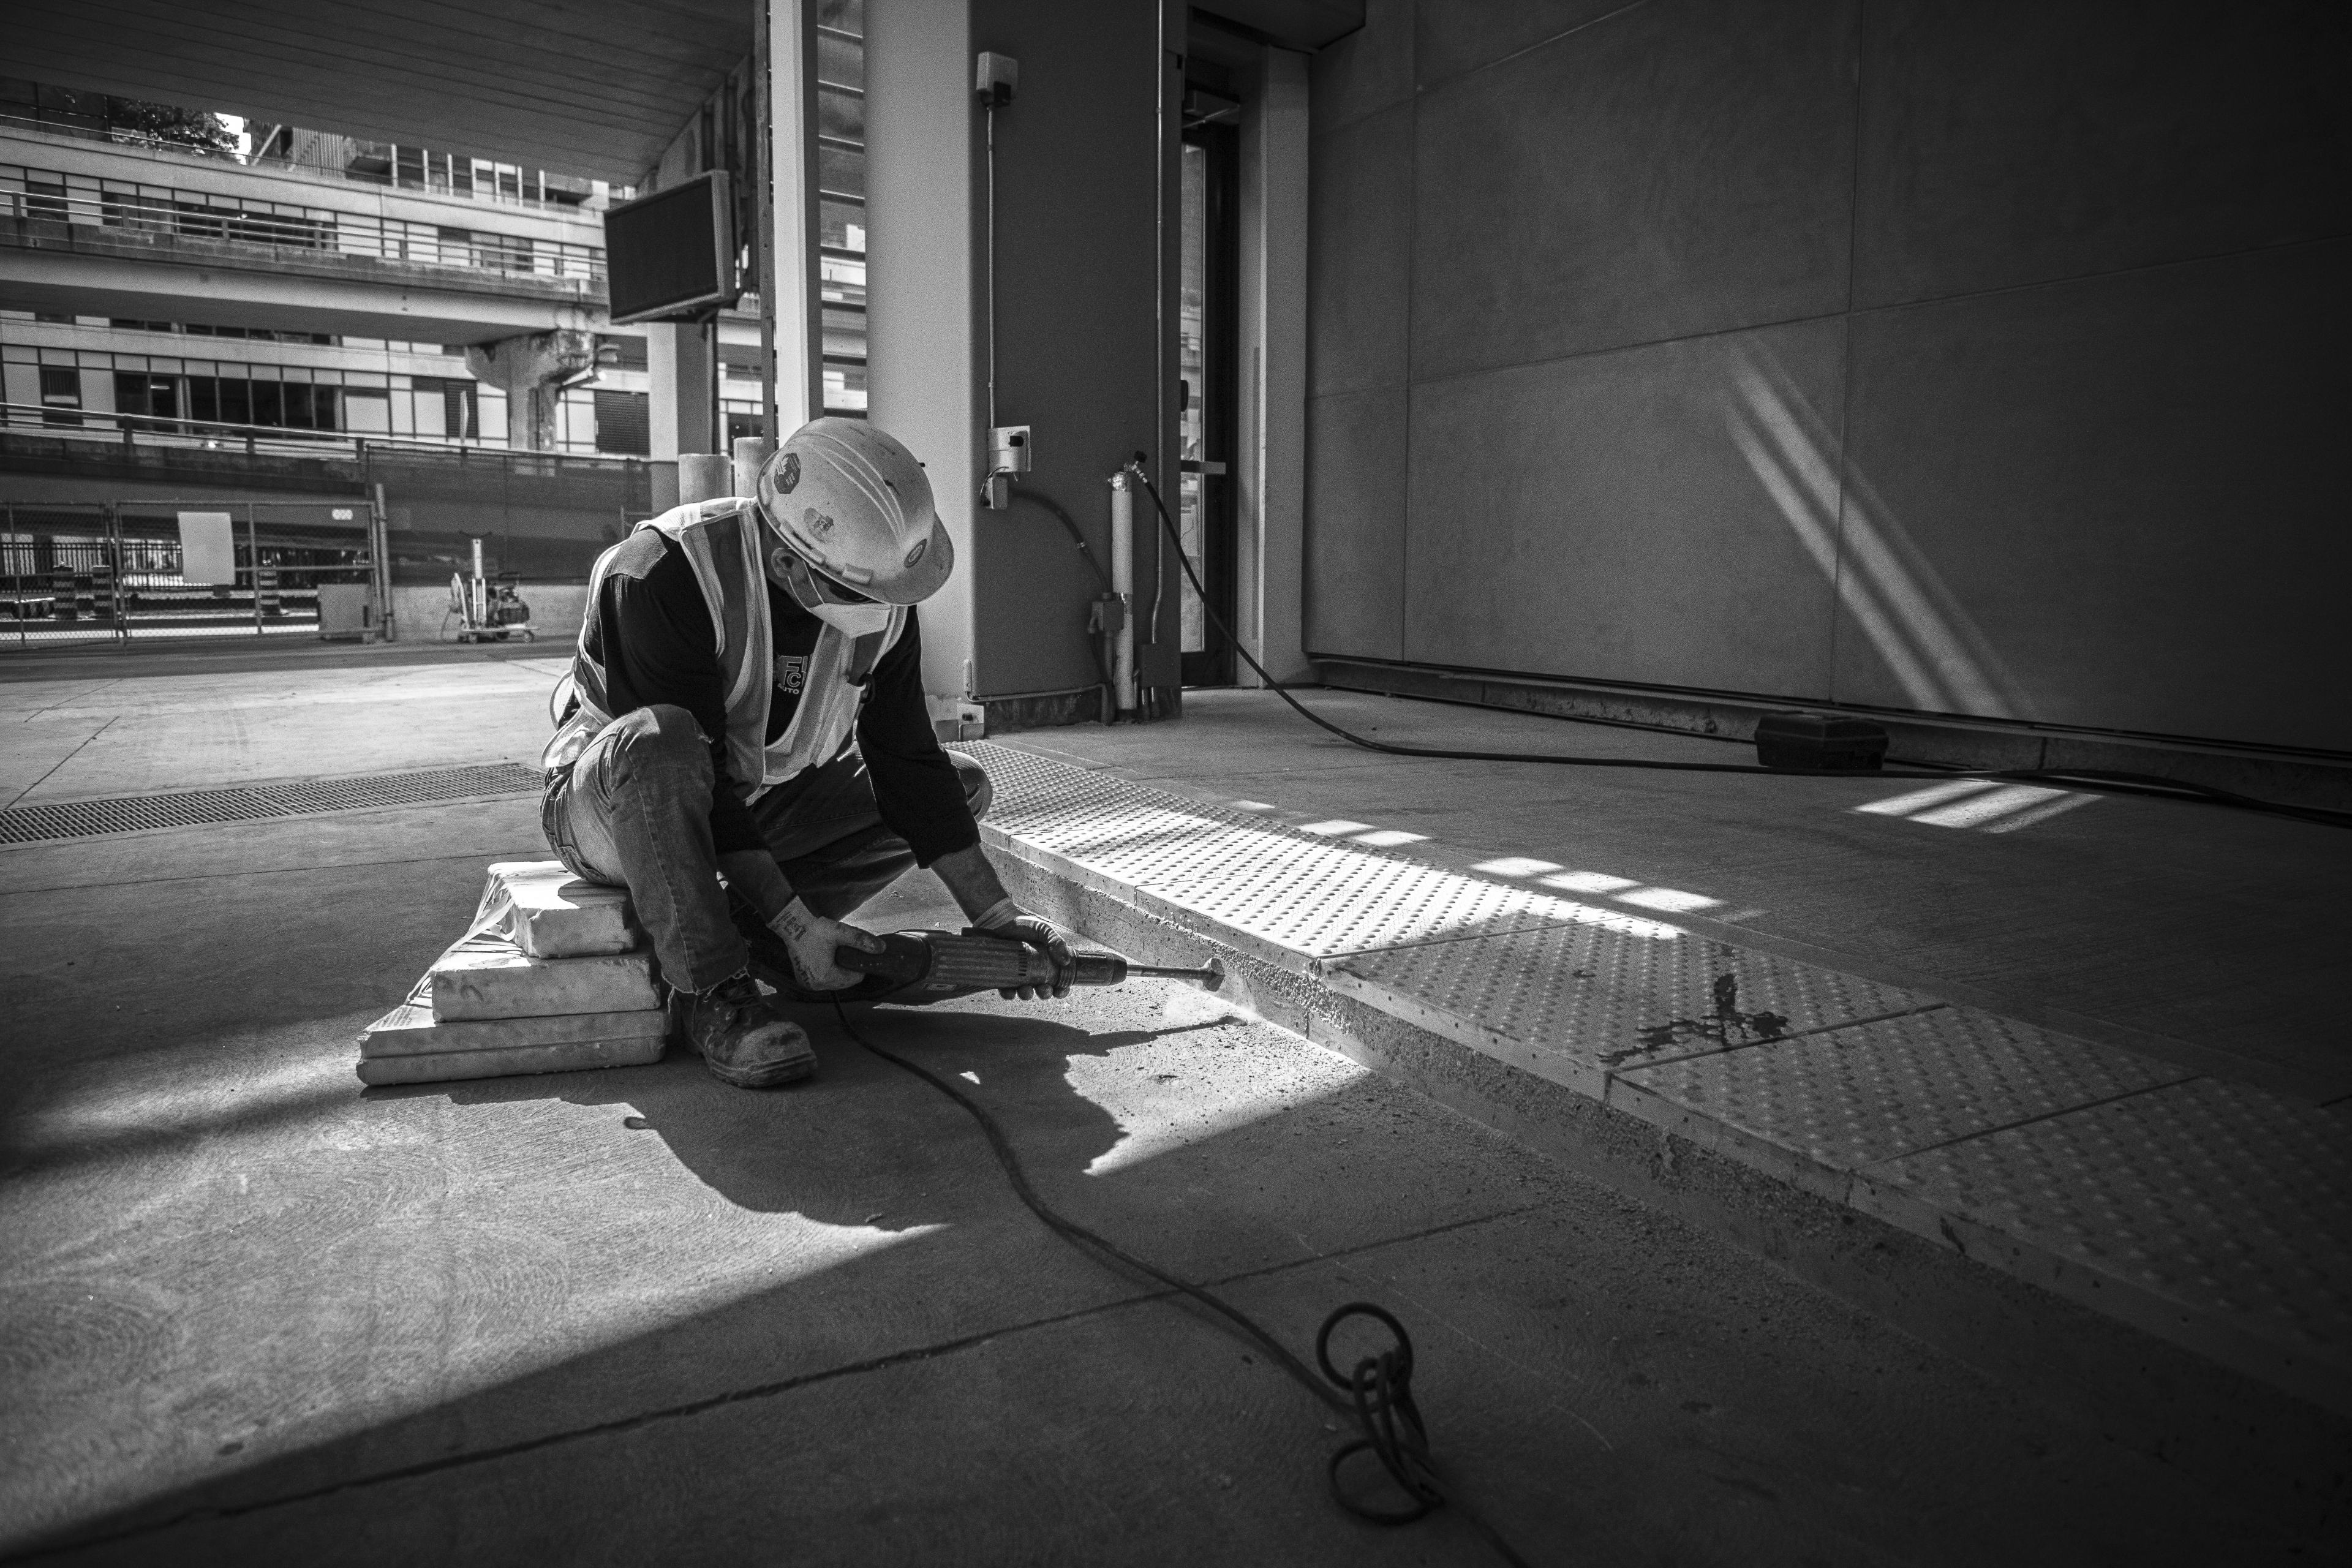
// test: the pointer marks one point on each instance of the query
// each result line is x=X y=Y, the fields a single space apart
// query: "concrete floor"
x=253 y=1311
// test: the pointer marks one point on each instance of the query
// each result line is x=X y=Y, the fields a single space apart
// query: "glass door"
x=1209 y=329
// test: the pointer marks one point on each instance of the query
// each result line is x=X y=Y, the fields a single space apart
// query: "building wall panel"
x=1356 y=556
x=2021 y=141
x=1359 y=275
x=1685 y=168
x=2132 y=486
x=1983 y=360
x=1604 y=515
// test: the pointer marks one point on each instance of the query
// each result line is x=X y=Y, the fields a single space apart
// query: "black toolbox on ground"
x=1801 y=739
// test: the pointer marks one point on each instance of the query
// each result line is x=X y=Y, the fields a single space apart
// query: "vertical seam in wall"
x=1846 y=350
x=1412 y=234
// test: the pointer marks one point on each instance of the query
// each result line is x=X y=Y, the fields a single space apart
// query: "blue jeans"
x=635 y=812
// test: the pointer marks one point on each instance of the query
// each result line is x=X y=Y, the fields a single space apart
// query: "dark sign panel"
x=672 y=253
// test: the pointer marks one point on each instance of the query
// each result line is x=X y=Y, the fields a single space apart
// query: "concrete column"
x=1270 y=592
x=680 y=404
x=532 y=370
x=790 y=301
x=1079 y=343
x=922 y=365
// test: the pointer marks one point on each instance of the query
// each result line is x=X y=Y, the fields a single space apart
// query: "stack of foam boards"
x=552 y=976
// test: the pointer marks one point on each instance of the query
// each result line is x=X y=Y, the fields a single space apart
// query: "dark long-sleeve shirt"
x=651 y=629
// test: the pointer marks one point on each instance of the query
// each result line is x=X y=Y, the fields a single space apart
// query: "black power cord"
x=2091 y=778
x=1379 y=1389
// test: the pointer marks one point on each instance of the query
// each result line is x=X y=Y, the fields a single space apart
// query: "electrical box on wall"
x=1008 y=455
x=1009 y=450
x=995 y=78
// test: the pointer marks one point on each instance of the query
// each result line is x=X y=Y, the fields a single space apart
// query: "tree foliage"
x=167 y=126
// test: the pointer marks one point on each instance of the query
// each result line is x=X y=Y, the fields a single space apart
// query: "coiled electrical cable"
x=2084 y=778
x=1379 y=1389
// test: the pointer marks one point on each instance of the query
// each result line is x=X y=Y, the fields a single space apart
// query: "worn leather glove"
x=1009 y=919
x=812 y=938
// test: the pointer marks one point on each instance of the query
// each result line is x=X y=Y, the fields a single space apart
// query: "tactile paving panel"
x=1296 y=891
x=2215 y=1195
x=1873 y=1092
x=252 y=803
x=1613 y=996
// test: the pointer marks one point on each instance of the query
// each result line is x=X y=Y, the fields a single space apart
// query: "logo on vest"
x=790 y=474
x=791 y=673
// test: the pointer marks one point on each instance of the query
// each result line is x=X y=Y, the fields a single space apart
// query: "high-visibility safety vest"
x=722 y=541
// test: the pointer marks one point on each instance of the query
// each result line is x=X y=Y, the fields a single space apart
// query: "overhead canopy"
x=1294 y=24
x=591 y=88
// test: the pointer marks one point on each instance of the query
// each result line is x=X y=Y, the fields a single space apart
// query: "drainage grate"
x=249 y=803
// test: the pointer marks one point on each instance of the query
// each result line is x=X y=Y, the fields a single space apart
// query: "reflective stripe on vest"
x=721 y=540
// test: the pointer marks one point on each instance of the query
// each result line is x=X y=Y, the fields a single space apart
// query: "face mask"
x=808 y=590
x=854 y=620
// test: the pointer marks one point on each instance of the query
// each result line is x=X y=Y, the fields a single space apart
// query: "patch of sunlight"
x=1985 y=807
x=1514 y=865
x=1301 y=892
x=1914 y=800
x=1250 y=805
x=1387 y=838
x=1334 y=827
x=1189 y=1097
x=1673 y=901
x=1921 y=630
x=1588 y=882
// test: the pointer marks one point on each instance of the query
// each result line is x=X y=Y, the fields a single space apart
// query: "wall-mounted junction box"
x=1009 y=450
x=994 y=79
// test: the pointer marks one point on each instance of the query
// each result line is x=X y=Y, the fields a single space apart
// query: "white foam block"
x=434 y=1066
x=410 y=1030
x=485 y=975
x=550 y=913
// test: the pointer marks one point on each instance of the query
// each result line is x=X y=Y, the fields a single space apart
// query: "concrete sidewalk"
x=254 y=1313
x=1944 y=1029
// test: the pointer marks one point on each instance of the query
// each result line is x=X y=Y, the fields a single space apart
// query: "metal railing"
x=47 y=208
x=131 y=431
x=125 y=140
x=113 y=571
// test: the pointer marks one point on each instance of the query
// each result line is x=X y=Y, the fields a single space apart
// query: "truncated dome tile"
x=2215 y=1195
x=1872 y=1091
x=1297 y=892
x=1612 y=992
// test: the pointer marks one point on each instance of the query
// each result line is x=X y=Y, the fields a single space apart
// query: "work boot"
x=741 y=1040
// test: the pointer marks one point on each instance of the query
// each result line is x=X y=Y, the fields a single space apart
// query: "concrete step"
x=2041 y=1203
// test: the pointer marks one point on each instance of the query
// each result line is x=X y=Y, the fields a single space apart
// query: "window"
x=60 y=395
x=137 y=392
x=367 y=413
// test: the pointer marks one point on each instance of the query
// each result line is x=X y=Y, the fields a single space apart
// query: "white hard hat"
x=854 y=504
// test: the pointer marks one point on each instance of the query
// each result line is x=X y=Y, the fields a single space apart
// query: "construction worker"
x=750 y=706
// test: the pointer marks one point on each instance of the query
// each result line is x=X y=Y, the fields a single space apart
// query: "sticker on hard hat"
x=817 y=523
x=917 y=553
x=790 y=475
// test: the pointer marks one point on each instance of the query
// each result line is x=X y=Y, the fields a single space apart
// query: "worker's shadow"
x=864 y=1143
